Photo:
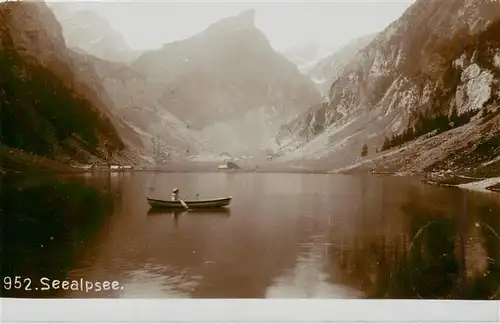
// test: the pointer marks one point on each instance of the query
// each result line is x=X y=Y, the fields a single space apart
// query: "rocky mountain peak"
x=86 y=31
x=247 y=17
x=89 y=17
x=241 y=21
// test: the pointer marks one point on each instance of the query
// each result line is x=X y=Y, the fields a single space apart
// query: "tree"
x=364 y=150
x=386 y=144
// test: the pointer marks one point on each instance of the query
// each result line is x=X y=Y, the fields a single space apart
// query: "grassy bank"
x=16 y=161
x=21 y=162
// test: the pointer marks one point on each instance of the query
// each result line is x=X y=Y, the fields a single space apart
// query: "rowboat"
x=212 y=203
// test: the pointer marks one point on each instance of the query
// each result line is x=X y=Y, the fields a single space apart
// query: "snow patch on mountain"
x=475 y=90
x=471 y=72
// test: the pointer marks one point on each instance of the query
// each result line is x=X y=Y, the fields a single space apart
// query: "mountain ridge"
x=403 y=80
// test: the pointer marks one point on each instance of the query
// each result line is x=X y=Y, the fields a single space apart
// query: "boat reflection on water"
x=226 y=212
x=176 y=213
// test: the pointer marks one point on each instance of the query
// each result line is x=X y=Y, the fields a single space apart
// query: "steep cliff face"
x=37 y=35
x=228 y=76
x=122 y=94
x=429 y=72
x=43 y=112
x=329 y=68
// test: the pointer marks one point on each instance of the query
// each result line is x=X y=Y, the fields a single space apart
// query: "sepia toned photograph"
x=264 y=150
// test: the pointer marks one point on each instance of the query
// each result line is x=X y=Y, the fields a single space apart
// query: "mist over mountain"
x=88 y=33
x=420 y=91
x=305 y=56
x=228 y=80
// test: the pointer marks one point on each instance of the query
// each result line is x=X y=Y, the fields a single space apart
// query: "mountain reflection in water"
x=433 y=250
x=284 y=235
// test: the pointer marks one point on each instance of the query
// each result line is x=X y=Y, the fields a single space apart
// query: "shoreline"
x=486 y=185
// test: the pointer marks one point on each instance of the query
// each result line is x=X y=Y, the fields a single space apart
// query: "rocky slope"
x=427 y=83
x=228 y=80
x=88 y=33
x=328 y=69
x=44 y=112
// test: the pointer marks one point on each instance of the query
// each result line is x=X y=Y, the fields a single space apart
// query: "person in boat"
x=175 y=194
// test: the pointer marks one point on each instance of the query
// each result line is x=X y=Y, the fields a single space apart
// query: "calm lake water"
x=284 y=236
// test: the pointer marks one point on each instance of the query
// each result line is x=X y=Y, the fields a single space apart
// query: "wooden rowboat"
x=212 y=203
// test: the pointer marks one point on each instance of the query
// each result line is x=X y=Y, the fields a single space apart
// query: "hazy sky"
x=146 y=24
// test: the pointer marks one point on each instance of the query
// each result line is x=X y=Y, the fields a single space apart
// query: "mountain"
x=88 y=33
x=328 y=69
x=305 y=56
x=424 y=92
x=45 y=114
x=38 y=33
x=228 y=79
x=135 y=105
x=123 y=95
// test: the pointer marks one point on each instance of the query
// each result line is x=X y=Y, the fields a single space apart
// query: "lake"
x=283 y=236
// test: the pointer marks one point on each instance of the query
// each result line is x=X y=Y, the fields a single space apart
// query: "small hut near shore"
x=228 y=165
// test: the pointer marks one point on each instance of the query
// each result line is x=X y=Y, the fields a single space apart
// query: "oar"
x=183 y=203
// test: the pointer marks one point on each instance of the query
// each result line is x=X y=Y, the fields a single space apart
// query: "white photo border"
x=247 y=311
x=13 y=310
